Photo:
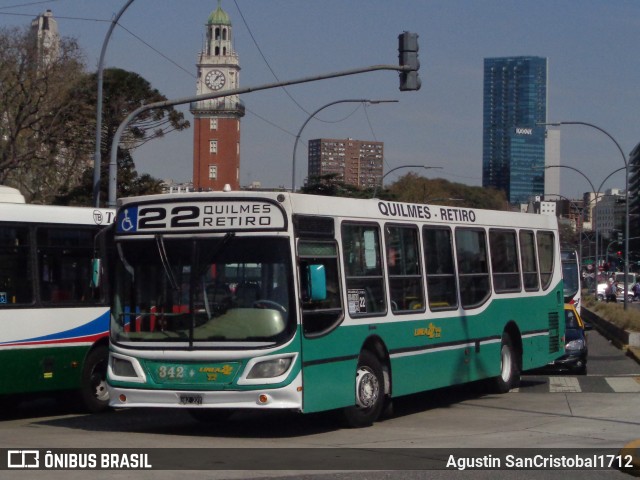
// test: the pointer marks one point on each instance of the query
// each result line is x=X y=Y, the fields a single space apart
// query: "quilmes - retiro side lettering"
x=426 y=212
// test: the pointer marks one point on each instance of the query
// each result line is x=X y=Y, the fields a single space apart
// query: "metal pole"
x=113 y=170
x=375 y=190
x=626 y=199
x=597 y=192
x=580 y=215
x=97 y=159
x=626 y=194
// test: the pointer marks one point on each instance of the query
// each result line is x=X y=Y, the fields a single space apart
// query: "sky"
x=591 y=47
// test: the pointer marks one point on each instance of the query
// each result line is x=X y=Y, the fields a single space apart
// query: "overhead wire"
x=28 y=4
x=275 y=75
x=191 y=74
x=255 y=42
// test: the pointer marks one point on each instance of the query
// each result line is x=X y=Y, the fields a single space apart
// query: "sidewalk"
x=634 y=353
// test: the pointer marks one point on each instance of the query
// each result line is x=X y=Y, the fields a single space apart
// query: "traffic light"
x=408 y=57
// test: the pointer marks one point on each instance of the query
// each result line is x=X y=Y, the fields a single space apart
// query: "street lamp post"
x=113 y=163
x=597 y=192
x=626 y=194
x=97 y=159
x=581 y=214
x=375 y=190
x=295 y=144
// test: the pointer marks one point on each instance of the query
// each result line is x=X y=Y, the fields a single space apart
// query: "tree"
x=332 y=185
x=416 y=189
x=47 y=119
x=130 y=183
x=43 y=132
x=123 y=92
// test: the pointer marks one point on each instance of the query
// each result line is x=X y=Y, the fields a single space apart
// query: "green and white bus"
x=54 y=325
x=266 y=300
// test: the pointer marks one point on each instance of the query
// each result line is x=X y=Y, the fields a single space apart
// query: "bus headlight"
x=125 y=369
x=122 y=368
x=270 y=368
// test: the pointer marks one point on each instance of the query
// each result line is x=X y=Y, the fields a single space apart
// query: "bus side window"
x=364 y=276
x=15 y=271
x=473 y=267
x=545 y=257
x=504 y=261
x=403 y=268
x=64 y=265
x=440 y=268
x=529 y=263
x=320 y=313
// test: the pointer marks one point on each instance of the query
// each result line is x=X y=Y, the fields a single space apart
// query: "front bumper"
x=287 y=397
x=570 y=362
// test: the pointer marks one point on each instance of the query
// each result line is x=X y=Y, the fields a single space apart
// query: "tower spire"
x=216 y=159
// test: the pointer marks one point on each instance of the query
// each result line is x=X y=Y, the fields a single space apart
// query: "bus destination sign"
x=206 y=216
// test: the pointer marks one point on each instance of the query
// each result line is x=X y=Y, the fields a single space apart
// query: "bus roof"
x=365 y=209
x=10 y=195
x=29 y=213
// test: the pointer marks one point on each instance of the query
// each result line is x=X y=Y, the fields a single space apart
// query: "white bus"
x=53 y=324
x=571 y=278
x=247 y=300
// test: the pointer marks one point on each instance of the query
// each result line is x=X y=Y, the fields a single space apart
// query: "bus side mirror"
x=96 y=268
x=317 y=282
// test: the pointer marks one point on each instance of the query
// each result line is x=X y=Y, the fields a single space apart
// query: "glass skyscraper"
x=513 y=144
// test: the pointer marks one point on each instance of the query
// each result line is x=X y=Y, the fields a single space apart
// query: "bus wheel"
x=93 y=390
x=509 y=366
x=370 y=396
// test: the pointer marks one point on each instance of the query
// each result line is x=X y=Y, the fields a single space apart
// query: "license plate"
x=190 y=399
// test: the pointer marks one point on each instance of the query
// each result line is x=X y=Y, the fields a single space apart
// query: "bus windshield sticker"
x=357 y=298
x=370 y=249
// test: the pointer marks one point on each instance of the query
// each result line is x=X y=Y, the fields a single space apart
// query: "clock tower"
x=216 y=146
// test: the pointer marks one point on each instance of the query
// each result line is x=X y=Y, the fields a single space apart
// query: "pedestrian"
x=636 y=291
x=611 y=291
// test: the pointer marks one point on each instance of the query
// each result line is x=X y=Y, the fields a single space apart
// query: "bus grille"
x=554 y=338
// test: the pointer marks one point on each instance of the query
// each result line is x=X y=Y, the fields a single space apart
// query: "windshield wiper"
x=162 y=251
x=213 y=255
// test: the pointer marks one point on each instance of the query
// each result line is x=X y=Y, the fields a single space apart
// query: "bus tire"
x=509 y=366
x=369 y=390
x=94 y=395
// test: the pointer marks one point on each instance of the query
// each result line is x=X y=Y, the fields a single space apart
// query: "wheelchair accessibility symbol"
x=127 y=220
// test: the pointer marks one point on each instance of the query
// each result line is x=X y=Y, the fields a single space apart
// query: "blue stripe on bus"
x=97 y=326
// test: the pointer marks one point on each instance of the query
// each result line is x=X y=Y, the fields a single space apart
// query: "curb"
x=632 y=449
x=618 y=336
x=634 y=353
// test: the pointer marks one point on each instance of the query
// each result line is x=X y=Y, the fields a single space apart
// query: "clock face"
x=215 y=80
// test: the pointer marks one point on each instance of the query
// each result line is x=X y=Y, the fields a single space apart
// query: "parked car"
x=576 y=348
x=602 y=296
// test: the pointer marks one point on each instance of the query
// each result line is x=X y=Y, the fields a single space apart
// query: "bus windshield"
x=203 y=292
x=571 y=279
